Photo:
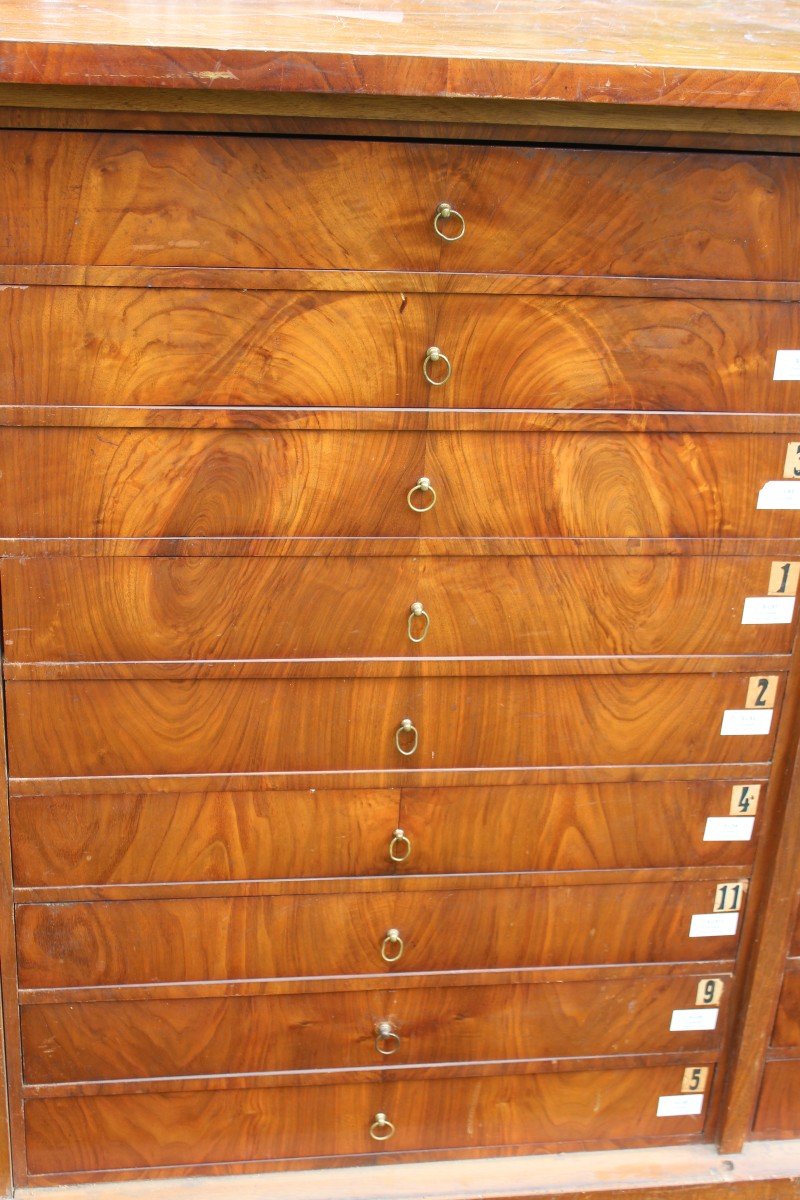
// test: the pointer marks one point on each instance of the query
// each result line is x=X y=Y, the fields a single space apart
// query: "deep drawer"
x=140 y=609
x=786 y=1033
x=77 y=840
x=134 y=483
x=581 y=1109
x=252 y=937
x=778 y=1112
x=170 y=347
x=152 y=199
x=161 y=727
x=297 y=1031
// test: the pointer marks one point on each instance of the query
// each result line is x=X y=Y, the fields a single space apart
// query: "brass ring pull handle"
x=387 y=1040
x=381 y=1128
x=444 y=212
x=422 y=485
x=434 y=355
x=417 y=612
x=399 y=847
x=408 y=728
x=393 y=941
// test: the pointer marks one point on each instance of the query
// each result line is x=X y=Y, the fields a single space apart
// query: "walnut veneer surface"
x=400 y=530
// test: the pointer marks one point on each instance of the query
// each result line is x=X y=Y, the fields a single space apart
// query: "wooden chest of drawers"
x=401 y=537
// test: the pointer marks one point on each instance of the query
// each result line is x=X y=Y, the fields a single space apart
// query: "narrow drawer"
x=163 y=727
x=580 y=1109
x=786 y=1034
x=66 y=841
x=139 y=609
x=169 y=483
x=104 y=943
x=68 y=1043
x=778 y=1112
x=181 y=200
x=174 y=347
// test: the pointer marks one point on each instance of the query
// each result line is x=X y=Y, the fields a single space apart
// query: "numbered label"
x=728 y=897
x=787 y=365
x=709 y=993
x=756 y=717
x=694 y=1080
x=762 y=691
x=783 y=579
x=744 y=799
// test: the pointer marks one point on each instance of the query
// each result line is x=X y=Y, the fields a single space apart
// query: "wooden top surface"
x=703 y=53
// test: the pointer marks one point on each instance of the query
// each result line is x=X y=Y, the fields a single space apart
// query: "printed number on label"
x=744 y=799
x=791 y=468
x=728 y=898
x=761 y=691
x=709 y=993
x=694 y=1079
x=783 y=579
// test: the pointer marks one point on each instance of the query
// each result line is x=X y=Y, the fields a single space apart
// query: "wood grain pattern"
x=289 y=203
x=199 y=483
x=786 y=1034
x=180 y=346
x=152 y=727
x=67 y=1043
x=157 y=941
x=778 y=1113
x=71 y=841
x=172 y=609
x=706 y=54
x=575 y=1108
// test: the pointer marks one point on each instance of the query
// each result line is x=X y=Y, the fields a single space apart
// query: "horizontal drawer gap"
x=381 y=1072
x=371 y=883
x=106 y=993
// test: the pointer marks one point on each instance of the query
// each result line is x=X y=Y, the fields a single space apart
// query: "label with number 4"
x=744 y=799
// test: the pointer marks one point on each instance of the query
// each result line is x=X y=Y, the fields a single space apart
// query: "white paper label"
x=780 y=495
x=679 y=1106
x=693 y=1018
x=746 y=721
x=729 y=829
x=787 y=365
x=713 y=924
x=768 y=610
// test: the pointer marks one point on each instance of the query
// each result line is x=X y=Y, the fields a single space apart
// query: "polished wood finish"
x=152 y=727
x=707 y=54
x=240 y=203
x=786 y=1033
x=67 y=1043
x=71 y=841
x=576 y=1108
x=135 y=483
x=180 y=609
x=158 y=941
x=180 y=346
x=778 y=1113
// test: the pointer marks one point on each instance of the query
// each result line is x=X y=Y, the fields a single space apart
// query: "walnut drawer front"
x=73 y=841
x=778 y=1112
x=175 y=347
x=135 y=483
x=104 y=943
x=140 y=609
x=158 y=727
x=150 y=199
x=786 y=1034
x=581 y=1108
x=138 y=1039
